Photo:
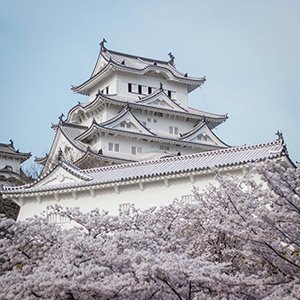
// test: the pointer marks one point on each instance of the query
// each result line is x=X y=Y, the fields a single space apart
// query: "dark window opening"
x=149 y=89
x=139 y=89
x=129 y=87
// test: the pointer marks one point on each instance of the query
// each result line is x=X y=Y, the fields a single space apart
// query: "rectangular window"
x=144 y=90
x=154 y=120
x=133 y=150
x=149 y=119
x=134 y=88
x=129 y=87
x=139 y=89
x=107 y=89
x=149 y=89
x=173 y=130
x=139 y=149
x=169 y=94
x=126 y=208
x=162 y=147
x=113 y=147
x=122 y=124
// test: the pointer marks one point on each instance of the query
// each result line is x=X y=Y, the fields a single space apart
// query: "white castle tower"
x=137 y=110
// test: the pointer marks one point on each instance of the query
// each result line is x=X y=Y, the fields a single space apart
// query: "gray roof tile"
x=164 y=166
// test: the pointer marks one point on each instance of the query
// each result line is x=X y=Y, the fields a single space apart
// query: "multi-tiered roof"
x=10 y=161
x=147 y=171
x=137 y=110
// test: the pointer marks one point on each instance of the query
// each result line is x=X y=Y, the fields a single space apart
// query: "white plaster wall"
x=111 y=81
x=154 y=194
x=181 y=94
x=125 y=144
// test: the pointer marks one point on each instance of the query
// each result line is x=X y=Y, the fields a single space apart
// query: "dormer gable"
x=202 y=134
x=60 y=175
x=63 y=174
x=160 y=99
x=126 y=121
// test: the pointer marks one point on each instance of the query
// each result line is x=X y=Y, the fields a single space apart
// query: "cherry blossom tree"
x=237 y=240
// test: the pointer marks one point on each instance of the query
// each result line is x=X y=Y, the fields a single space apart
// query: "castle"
x=135 y=143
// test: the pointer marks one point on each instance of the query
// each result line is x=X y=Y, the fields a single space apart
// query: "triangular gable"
x=65 y=140
x=161 y=100
x=202 y=134
x=100 y=63
x=126 y=121
x=62 y=174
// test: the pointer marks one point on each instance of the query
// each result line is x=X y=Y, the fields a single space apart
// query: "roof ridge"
x=208 y=115
x=180 y=157
x=73 y=125
x=136 y=56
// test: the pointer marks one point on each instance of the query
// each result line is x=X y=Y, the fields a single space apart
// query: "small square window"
x=154 y=120
x=149 y=119
x=139 y=149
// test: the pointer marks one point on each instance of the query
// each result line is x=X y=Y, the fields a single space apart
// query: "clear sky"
x=248 y=50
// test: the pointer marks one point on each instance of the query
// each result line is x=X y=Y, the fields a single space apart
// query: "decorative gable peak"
x=202 y=134
x=126 y=121
x=161 y=99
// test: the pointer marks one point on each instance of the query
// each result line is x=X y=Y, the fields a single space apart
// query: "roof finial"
x=11 y=143
x=161 y=86
x=280 y=136
x=102 y=46
x=61 y=118
x=172 y=59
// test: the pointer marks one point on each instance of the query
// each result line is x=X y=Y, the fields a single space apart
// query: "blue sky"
x=248 y=50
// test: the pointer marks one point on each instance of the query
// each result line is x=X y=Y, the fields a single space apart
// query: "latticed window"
x=54 y=218
x=113 y=147
x=126 y=208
